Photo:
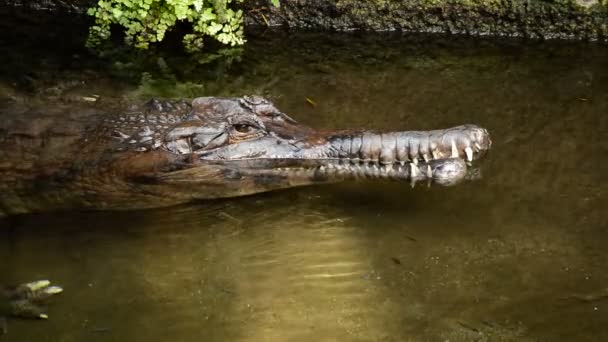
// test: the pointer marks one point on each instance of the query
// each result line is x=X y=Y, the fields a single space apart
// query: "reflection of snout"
x=450 y=172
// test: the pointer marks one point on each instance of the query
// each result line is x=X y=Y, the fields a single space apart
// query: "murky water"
x=519 y=255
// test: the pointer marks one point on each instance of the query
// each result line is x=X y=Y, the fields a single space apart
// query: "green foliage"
x=147 y=21
x=275 y=3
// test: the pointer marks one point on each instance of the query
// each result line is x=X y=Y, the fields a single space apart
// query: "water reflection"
x=518 y=255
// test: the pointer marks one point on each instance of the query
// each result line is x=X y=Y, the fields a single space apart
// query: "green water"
x=519 y=255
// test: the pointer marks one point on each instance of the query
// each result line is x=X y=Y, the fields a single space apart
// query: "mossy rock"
x=567 y=19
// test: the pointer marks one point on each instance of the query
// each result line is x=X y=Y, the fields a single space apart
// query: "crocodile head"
x=226 y=147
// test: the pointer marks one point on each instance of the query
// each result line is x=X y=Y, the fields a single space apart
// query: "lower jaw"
x=444 y=172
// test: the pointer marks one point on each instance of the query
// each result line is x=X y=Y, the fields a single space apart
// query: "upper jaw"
x=467 y=142
x=350 y=149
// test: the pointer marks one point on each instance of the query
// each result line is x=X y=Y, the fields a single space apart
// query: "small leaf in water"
x=311 y=102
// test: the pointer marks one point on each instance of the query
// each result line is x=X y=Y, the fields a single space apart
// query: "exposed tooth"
x=412 y=183
x=425 y=156
x=469 y=151
x=414 y=170
x=415 y=161
x=429 y=172
x=477 y=146
x=321 y=168
x=454 y=150
x=435 y=154
x=402 y=163
x=375 y=171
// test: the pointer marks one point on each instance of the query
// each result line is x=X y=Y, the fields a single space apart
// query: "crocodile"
x=164 y=153
x=24 y=301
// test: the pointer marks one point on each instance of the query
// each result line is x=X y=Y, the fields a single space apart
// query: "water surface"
x=518 y=255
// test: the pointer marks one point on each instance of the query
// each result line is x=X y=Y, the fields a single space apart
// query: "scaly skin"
x=174 y=152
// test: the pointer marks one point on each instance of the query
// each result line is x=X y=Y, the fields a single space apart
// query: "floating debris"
x=311 y=102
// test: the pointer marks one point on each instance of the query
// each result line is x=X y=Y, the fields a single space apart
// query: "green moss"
x=519 y=18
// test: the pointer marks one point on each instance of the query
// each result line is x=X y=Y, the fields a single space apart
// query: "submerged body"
x=173 y=152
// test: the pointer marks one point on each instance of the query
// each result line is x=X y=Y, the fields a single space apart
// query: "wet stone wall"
x=546 y=19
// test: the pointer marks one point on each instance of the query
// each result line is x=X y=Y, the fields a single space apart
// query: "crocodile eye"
x=243 y=128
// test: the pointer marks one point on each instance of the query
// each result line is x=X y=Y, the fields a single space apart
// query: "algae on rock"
x=567 y=19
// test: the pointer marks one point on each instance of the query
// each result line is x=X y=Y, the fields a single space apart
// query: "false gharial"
x=169 y=152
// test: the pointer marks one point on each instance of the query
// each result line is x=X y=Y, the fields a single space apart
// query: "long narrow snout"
x=289 y=156
x=468 y=142
x=440 y=156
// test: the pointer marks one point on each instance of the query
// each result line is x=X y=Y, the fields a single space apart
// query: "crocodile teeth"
x=414 y=170
x=415 y=161
x=435 y=154
x=429 y=172
x=454 y=150
x=402 y=163
x=469 y=152
x=425 y=157
x=477 y=146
